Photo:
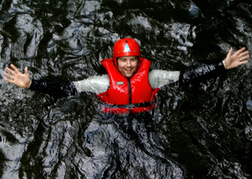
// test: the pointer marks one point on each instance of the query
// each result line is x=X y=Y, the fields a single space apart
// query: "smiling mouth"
x=128 y=71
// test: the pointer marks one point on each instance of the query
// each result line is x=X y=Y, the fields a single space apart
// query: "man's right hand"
x=16 y=77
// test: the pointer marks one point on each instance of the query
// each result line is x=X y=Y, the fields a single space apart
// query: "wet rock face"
x=202 y=130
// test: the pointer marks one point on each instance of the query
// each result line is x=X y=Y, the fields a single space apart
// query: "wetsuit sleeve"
x=201 y=73
x=54 y=88
x=160 y=78
x=95 y=84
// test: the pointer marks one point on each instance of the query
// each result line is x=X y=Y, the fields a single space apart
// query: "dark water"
x=200 y=131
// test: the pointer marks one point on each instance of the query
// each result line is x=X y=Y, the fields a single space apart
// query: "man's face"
x=127 y=65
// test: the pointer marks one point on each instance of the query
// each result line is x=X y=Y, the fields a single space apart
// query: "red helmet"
x=125 y=47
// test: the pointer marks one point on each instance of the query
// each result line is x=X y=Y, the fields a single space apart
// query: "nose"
x=128 y=63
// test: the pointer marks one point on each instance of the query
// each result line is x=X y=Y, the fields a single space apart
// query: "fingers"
x=230 y=52
x=10 y=70
x=26 y=70
x=11 y=73
x=243 y=58
x=244 y=62
x=244 y=54
x=241 y=54
x=14 y=68
x=8 y=80
x=241 y=50
x=8 y=75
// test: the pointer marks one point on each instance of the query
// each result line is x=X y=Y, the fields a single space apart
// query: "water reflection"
x=203 y=130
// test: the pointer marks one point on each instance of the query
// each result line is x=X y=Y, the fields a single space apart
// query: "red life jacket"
x=128 y=94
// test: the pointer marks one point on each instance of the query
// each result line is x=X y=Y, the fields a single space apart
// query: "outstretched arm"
x=53 y=88
x=95 y=84
x=238 y=58
x=16 y=77
x=208 y=71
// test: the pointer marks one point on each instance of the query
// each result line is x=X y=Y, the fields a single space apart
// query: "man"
x=129 y=86
x=119 y=145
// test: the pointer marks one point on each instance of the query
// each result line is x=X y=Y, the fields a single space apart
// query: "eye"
x=121 y=59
